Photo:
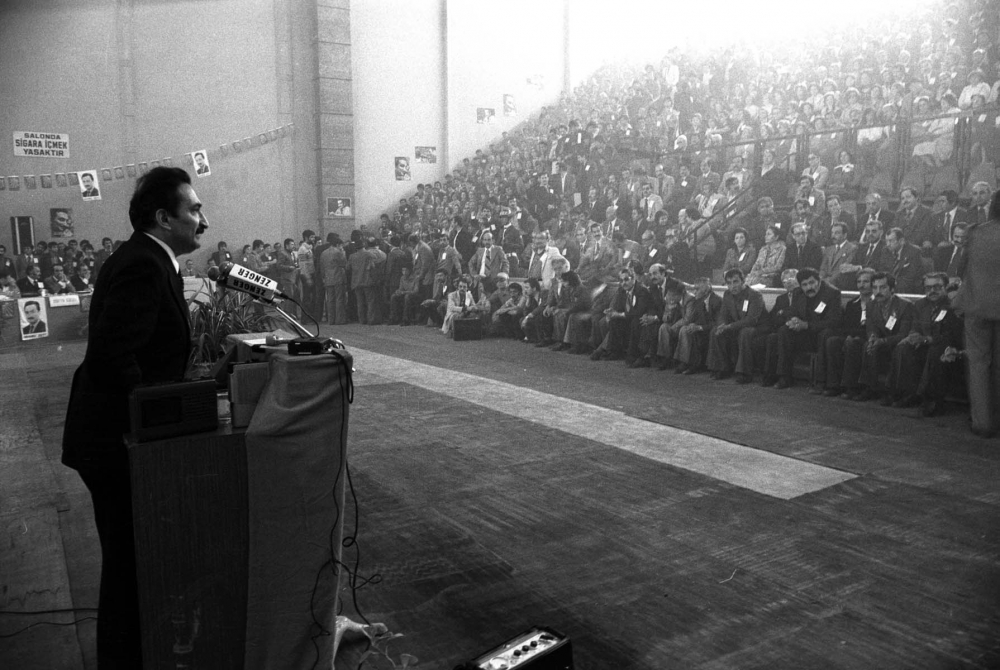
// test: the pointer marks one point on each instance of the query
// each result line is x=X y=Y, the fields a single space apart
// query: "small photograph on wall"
x=201 y=166
x=90 y=186
x=61 y=222
x=61 y=179
x=154 y=164
x=29 y=182
x=130 y=170
x=485 y=114
x=13 y=183
x=426 y=154
x=143 y=168
x=46 y=180
x=3 y=184
x=106 y=174
x=338 y=207
x=120 y=172
x=402 y=168
x=33 y=316
x=73 y=178
x=509 y=105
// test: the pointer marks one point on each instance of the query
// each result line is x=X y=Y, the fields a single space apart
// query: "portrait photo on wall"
x=402 y=168
x=61 y=179
x=61 y=222
x=30 y=182
x=46 y=180
x=338 y=207
x=73 y=178
x=201 y=166
x=106 y=174
x=425 y=154
x=90 y=187
x=509 y=105
x=120 y=172
x=143 y=168
x=33 y=318
x=14 y=183
x=485 y=114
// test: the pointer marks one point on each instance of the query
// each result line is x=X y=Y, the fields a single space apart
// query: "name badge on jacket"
x=820 y=308
x=890 y=323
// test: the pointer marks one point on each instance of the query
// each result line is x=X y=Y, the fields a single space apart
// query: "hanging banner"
x=44 y=145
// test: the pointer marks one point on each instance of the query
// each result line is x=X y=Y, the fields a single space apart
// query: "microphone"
x=241 y=279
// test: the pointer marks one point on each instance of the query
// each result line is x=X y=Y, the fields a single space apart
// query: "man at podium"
x=139 y=334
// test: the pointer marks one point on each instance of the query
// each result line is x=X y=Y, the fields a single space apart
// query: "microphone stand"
x=292 y=321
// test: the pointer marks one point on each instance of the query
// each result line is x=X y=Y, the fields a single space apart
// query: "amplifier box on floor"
x=468 y=329
x=538 y=648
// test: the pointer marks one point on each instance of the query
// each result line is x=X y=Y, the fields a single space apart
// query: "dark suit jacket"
x=822 y=311
x=28 y=288
x=917 y=227
x=945 y=260
x=811 y=257
x=908 y=269
x=940 y=232
x=139 y=334
x=875 y=256
x=39 y=327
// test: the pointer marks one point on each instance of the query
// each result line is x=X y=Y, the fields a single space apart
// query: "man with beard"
x=815 y=308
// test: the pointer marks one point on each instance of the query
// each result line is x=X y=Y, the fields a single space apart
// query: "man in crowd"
x=742 y=307
x=33 y=315
x=701 y=315
x=834 y=342
x=917 y=375
x=82 y=280
x=423 y=265
x=31 y=283
x=542 y=256
x=221 y=255
x=333 y=269
x=949 y=258
x=815 y=307
x=907 y=267
x=888 y=322
x=875 y=210
x=674 y=308
x=943 y=223
x=873 y=253
x=803 y=252
x=644 y=337
x=7 y=268
x=979 y=209
x=58 y=283
x=837 y=266
x=488 y=262
x=765 y=217
x=914 y=219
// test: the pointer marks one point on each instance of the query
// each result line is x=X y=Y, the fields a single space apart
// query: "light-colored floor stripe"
x=761 y=471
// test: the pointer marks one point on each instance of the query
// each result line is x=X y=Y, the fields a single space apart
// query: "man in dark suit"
x=979 y=208
x=700 y=316
x=139 y=334
x=873 y=253
x=89 y=190
x=803 y=252
x=906 y=265
x=31 y=283
x=948 y=258
x=875 y=209
x=914 y=219
x=33 y=315
x=815 y=308
x=943 y=223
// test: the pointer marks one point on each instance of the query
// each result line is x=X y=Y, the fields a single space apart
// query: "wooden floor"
x=484 y=517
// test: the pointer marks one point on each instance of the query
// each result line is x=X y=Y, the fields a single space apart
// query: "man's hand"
x=914 y=339
x=647 y=319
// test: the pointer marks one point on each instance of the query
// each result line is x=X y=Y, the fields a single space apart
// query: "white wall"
x=398 y=90
x=198 y=77
x=420 y=70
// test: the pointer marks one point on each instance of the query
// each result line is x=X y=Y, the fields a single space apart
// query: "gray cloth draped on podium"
x=296 y=450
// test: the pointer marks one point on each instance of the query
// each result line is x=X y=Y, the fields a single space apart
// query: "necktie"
x=981 y=215
x=461 y=298
x=482 y=266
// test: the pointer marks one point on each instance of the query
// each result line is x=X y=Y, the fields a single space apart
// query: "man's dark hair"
x=733 y=272
x=516 y=288
x=306 y=234
x=841 y=225
x=258 y=244
x=413 y=239
x=889 y=279
x=571 y=278
x=32 y=302
x=108 y=239
x=807 y=273
x=943 y=276
x=535 y=284
x=157 y=189
x=898 y=232
x=950 y=195
x=394 y=240
x=222 y=244
x=287 y=240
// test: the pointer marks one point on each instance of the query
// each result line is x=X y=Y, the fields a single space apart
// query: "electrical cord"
x=311 y=317
x=48 y=623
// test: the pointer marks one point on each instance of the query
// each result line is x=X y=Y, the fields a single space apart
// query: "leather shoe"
x=850 y=394
x=665 y=364
x=693 y=370
x=680 y=369
x=597 y=354
x=816 y=390
x=639 y=363
x=888 y=401
x=769 y=381
x=832 y=392
x=783 y=383
x=543 y=343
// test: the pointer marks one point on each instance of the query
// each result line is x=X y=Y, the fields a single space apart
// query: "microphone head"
x=213 y=274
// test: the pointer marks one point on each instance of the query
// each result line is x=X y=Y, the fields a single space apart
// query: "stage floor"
x=658 y=520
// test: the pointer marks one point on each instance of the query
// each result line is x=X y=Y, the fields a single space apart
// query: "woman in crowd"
x=741 y=255
x=767 y=268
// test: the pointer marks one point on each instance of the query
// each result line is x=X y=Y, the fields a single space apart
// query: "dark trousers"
x=119 y=644
x=366 y=298
x=783 y=346
x=723 y=350
x=752 y=347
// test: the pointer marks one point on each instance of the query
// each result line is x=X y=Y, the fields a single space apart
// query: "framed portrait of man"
x=45 y=180
x=339 y=207
x=90 y=186
x=61 y=179
x=485 y=114
x=402 y=168
x=61 y=222
x=33 y=318
x=106 y=174
x=425 y=154
x=509 y=105
x=201 y=165
x=30 y=182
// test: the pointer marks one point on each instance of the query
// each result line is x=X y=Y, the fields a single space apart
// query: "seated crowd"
x=52 y=268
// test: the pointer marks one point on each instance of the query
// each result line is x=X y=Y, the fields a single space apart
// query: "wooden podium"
x=236 y=531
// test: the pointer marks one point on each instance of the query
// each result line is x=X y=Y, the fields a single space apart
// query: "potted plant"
x=215 y=315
